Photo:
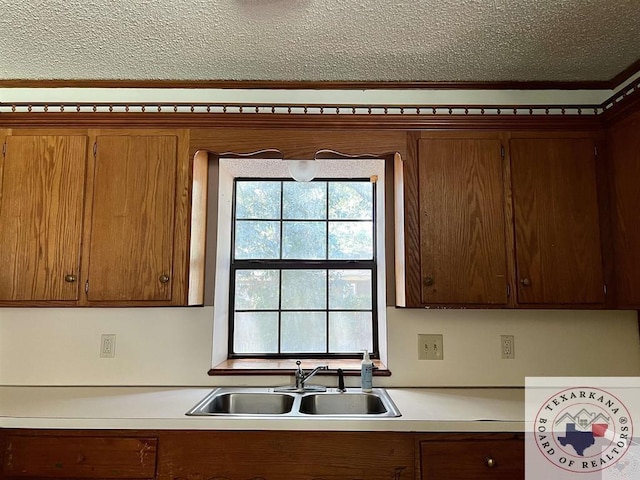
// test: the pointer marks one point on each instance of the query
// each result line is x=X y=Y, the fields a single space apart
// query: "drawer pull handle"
x=489 y=462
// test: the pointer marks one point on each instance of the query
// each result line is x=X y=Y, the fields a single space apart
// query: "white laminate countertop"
x=161 y=408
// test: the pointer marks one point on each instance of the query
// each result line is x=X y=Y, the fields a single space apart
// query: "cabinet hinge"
x=86 y=286
x=502 y=152
x=95 y=148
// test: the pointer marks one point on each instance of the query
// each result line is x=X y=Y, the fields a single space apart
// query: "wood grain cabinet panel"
x=557 y=234
x=473 y=457
x=286 y=455
x=462 y=221
x=265 y=455
x=80 y=457
x=108 y=228
x=624 y=157
x=41 y=208
x=132 y=220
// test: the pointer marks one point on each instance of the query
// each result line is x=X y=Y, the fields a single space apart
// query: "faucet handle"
x=341 y=388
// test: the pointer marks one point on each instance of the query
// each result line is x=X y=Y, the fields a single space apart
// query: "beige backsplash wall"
x=172 y=346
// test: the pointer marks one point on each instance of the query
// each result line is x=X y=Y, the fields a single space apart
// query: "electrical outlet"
x=430 y=347
x=507 y=347
x=108 y=345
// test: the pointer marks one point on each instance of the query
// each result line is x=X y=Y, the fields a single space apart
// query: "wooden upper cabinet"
x=41 y=208
x=557 y=235
x=624 y=149
x=131 y=242
x=462 y=224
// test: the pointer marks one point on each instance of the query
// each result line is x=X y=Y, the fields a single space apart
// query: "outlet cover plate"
x=507 y=347
x=108 y=345
x=430 y=347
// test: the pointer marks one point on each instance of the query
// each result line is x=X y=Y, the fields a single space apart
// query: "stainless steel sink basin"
x=243 y=402
x=355 y=403
x=236 y=401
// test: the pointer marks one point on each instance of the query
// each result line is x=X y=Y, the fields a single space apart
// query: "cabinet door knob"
x=489 y=462
x=164 y=278
x=525 y=282
x=428 y=281
x=70 y=278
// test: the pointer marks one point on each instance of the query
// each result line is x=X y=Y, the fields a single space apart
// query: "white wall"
x=172 y=346
x=310 y=97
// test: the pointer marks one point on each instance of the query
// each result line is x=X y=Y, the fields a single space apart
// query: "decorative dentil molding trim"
x=250 y=108
x=297 y=109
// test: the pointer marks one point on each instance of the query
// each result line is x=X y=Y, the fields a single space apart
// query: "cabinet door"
x=132 y=219
x=462 y=229
x=41 y=206
x=557 y=235
x=286 y=455
x=481 y=458
x=61 y=456
x=624 y=148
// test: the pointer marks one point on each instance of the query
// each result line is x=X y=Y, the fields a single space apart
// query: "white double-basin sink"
x=240 y=401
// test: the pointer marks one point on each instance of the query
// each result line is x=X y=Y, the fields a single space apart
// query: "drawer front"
x=472 y=459
x=80 y=457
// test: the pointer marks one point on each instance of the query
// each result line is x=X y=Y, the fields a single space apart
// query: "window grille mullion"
x=326 y=264
x=326 y=304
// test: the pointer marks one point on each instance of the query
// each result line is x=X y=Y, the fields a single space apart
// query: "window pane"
x=257 y=240
x=256 y=332
x=350 y=240
x=291 y=298
x=304 y=201
x=304 y=240
x=257 y=289
x=351 y=201
x=304 y=332
x=304 y=289
x=350 y=332
x=349 y=289
x=258 y=200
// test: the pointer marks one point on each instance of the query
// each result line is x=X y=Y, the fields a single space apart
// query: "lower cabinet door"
x=487 y=457
x=80 y=457
x=286 y=455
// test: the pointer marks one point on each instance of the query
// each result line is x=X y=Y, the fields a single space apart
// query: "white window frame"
x=231 y=168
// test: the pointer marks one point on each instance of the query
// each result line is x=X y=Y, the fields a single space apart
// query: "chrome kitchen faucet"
x=301 y=378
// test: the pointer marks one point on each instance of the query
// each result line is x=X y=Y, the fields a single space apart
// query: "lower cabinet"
x=472 y=456
x=68 y=456
x=287 y=455
x=264 y=455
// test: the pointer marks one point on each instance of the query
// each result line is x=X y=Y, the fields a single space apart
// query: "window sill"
x=262 y=366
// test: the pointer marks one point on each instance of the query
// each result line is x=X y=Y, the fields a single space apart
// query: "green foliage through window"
x=303 y=270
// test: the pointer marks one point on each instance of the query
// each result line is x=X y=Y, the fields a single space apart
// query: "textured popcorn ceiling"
x=339 y=40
